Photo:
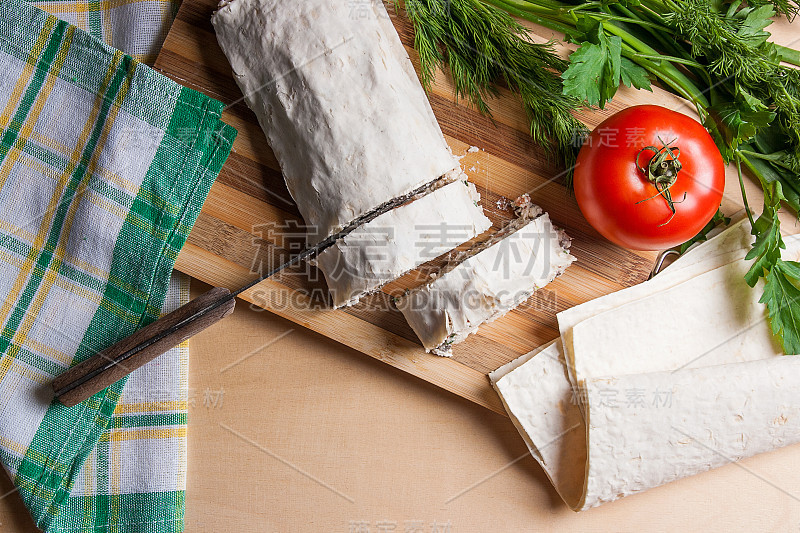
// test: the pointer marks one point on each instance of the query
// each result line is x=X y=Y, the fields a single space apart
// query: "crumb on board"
x=473 y=149
x=525 y=208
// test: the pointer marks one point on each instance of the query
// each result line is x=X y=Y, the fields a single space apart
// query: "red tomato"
x=619 y=199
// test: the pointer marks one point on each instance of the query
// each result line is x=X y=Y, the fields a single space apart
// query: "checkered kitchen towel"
x=135 y=478
x=104 y=165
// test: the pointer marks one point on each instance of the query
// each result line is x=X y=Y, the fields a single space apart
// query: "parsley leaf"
x=783 y=302
x=597 y=68
x=781 y=293
x=766 y=250
x=770 y=168
x=587 y=73
x=753 y=21
x=633 y=75
x=735 y=122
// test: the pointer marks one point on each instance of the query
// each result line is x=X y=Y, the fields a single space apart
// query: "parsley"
x=597 y=68
x=737 y=121
x=781 y=293
x=450 y=340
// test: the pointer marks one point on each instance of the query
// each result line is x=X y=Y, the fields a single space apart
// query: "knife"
x=112 y=364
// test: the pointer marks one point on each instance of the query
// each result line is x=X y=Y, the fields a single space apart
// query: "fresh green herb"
x=450 y=340
x=716 y=55
x=750 y=87
x=781 y=294
x=737 y=121
x=484 y=49
x=597 y=68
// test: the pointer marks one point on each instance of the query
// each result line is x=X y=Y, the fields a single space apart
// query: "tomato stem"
x=662 y=171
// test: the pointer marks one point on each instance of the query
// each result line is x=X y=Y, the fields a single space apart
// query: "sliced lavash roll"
x=653 y=416
x=339 y=102
x=486 y=282
x=401 y=240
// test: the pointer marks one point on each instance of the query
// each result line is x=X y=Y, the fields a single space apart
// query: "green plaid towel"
x=104 y=165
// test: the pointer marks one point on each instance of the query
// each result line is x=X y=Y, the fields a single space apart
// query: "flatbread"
x=645 y=430
x=686 y=422
x=537 y=394
x=342 y=108
x=728 y=246
x=696 y=323
x=633 y=414
x=713 y=318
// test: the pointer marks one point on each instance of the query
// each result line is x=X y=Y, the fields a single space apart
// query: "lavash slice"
x=607 y=436
x=401 y=240
x=702 y=418
x=727 y=246
x=352 y=129
x=537 y=394
x=655 y=428
x=486 y=282
x=695 y=323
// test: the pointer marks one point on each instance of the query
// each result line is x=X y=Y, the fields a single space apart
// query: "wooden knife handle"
x=70 y=390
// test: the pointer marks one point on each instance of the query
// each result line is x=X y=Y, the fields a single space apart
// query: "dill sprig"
x=484 y=48
x=787 y=8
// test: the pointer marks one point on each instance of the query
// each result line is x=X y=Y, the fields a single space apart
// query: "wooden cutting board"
x=248 y=207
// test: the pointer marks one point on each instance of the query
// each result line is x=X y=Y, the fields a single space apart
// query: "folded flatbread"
x=486 y=282
x=608 y=417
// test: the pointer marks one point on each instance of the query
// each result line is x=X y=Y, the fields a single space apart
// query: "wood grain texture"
x=249 y=221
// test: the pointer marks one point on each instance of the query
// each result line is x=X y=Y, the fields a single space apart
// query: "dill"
x=483 y=49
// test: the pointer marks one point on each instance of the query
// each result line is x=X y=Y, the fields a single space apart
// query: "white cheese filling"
x=401 y=240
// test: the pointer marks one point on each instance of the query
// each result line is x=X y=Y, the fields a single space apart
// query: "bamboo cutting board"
x=248 y=221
